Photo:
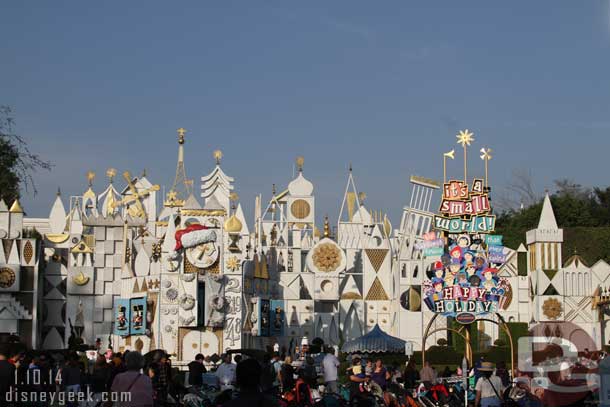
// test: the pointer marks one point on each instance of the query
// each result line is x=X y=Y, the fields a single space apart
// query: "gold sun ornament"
x=551 y=308
x=326 y=257
x=233 y=263
x=465 y=137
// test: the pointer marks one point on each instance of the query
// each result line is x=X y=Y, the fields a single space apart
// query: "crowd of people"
x=273 y=379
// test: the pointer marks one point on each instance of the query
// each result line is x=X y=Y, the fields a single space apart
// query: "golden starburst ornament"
x=465 y=137
x=233 y=196
x=90 y=177
x=111 y=173
x=233 y=263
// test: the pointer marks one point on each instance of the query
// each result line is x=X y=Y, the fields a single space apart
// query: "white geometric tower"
x=545 y=266
x=217 y=184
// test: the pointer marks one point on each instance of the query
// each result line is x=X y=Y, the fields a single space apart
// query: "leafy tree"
x=17 y=162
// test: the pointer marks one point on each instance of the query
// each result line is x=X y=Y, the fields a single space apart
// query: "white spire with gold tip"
x=110 y=196
x=300 y=186
x=57 y=216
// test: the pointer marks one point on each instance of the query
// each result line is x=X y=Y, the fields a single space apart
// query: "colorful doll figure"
x=475 y=281
x=488 y=278
x=439 y=270
x=437 y=283
x=470 y=269
x=480 y=262
x=121 y=320
x=456 y=254
x=137 y=320
x=468 y=256
x=450 y=277
x=463 y=242
x=462 y=279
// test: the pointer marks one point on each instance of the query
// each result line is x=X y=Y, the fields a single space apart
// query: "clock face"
x=203 y=255
x=7 y=277
x=300 y=209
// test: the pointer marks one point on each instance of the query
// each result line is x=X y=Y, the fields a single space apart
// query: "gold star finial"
x=465 y=137
x=218 y=156
x=171 y=195
x=181 y=133
x=111 y=173
x=233 y=196
x=90 y=177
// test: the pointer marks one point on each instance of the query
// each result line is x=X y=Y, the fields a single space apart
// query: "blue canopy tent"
x=375 y=341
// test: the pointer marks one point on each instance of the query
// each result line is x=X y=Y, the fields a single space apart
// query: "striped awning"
x=375 y=341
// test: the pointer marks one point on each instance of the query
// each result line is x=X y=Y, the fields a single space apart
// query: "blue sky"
x=383 y=85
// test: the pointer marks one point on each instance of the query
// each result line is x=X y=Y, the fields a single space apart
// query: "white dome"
x=300 y=186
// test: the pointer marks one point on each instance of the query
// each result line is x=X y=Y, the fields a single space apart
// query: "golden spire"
x=218 y=156
x=16 y=207
x=90 y=177
x=181 y=133
x=233 y=197
x=465 y=137
x=111 y=173
x=326 y=227
x=300 y=161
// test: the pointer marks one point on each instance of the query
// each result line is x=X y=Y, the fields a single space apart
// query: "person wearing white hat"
x=489 y=387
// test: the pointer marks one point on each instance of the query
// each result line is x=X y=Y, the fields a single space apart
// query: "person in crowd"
x=247 y=375
x=226 y=371
x=446 y=372
x=196 y=371
x=268 y=375
x=307 y=372
x=116 y=366
x=7 y=378
x=356 y=379
x=277 y=366
x=158 y=373
x=410 y=375
x=502 y=373
x=330 y=365
x=427 y=375
x=287 y=375
x=100 y=378
x=380 y=375
x=71 y=375
x=489 y=387
x=134 y=382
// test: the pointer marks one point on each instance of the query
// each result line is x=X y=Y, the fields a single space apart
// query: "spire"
x=547 y=217
x=180 y=189
x=326 y=227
